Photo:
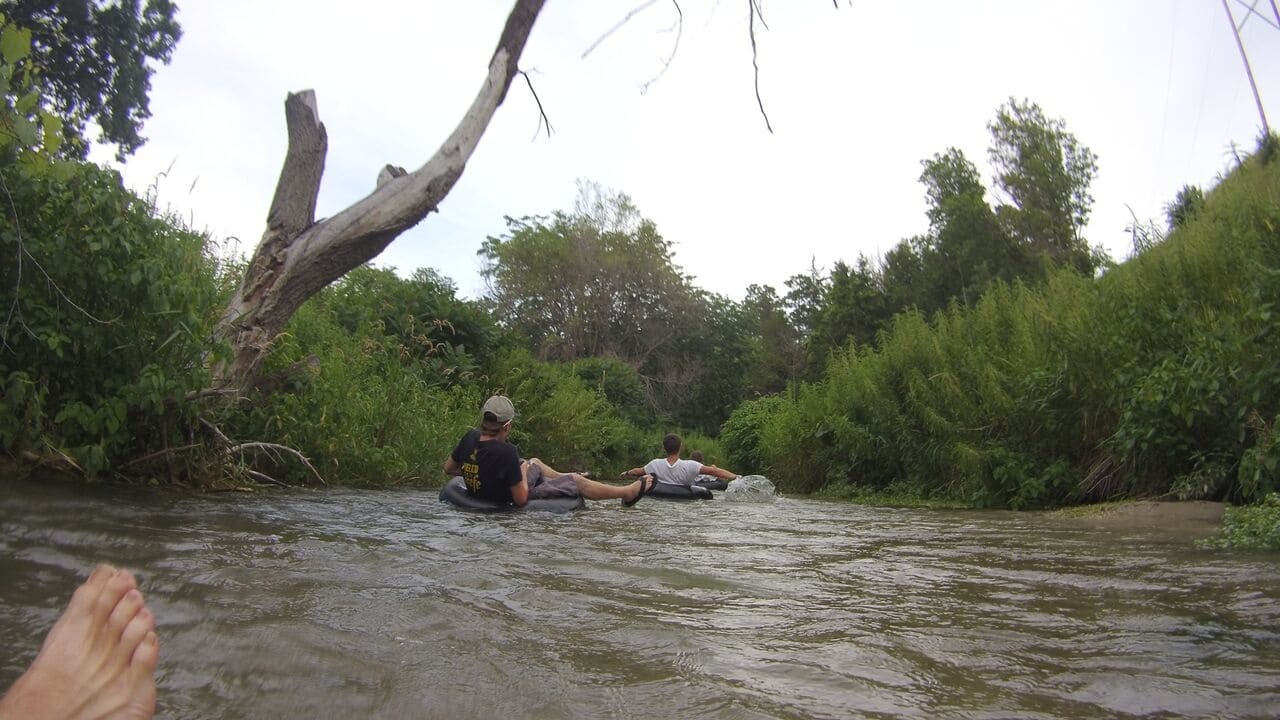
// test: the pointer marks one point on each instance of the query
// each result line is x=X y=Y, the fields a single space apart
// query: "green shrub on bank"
x=1146 y=381
x=1255 y=527
x=109 y=313
x=446 y=336
x=562 y=420
x=107 y=308
x=741 y=434
x=363 y=405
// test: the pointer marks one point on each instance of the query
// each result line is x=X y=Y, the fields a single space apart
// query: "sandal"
x=644 y=490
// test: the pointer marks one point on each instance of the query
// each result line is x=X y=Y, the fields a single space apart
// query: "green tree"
x=600 y=282
x=1045 y=172
x=30 y=135
x=588 y=284
x=969 y=246
x=617 y=382
x=855 y=310
x=775 y=355
x=95 y=59
x=907 y=275
x=720 y=343
x=805 y=297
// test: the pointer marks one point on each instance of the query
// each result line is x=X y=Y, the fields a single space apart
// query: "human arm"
x=517 y=469
x=633 y=472
x=520 y=493
x=714 y=471
x=464 y=449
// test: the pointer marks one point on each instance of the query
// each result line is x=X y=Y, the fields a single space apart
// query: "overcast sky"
x=857 y=97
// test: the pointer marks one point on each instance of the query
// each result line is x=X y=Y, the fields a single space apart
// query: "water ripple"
x=390 y=604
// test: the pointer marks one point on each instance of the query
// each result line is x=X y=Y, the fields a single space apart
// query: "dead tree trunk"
x=298 y=257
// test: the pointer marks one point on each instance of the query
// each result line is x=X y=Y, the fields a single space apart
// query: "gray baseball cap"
x=498 y=410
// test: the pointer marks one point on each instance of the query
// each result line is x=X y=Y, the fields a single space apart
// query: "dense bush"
x=1251 y=527
x=362 y=413
x=619 y=383
x=108 y=320
x=740 y=436
x=450 y=338
x=563 y=420
x=1146 y=381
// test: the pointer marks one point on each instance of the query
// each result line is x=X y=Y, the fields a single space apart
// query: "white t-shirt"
x=683 y=472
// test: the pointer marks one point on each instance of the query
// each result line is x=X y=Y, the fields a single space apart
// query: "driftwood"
x=232 y=452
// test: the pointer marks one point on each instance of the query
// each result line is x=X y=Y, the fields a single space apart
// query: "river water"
x=390 y=604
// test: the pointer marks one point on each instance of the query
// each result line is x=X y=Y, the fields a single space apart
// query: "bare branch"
x=542 y=114
x=263 y=477
x=159 y=453
x=274 y=448
x=636 y=11
x=226 y=442
x=289 y=268
x=209 y=392
x=388 y=173
x=754 y=6
x=675 y=46
x=293 y=209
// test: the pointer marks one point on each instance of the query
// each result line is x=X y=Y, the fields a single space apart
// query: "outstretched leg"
x=98 y=661
x=547 y=470
x=592 y=490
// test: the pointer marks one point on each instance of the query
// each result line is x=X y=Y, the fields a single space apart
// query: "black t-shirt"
x=489 y=467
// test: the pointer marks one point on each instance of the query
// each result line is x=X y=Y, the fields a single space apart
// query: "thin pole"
x=1275 y=10
x=1247 y=68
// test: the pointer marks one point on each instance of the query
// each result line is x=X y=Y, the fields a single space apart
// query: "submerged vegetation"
x=996 y=360
x=1252 y=527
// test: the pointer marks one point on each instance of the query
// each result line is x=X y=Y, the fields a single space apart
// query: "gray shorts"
x=549 y=487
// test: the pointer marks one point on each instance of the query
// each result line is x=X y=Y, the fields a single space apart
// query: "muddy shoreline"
x=1195 y=518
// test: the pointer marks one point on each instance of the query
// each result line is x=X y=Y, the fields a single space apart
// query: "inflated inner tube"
x=711 y=482
x=667 y=491
x=455 y=493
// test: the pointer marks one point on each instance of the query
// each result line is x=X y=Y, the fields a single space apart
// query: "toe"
x=119 y=585
x=123 y=615
x=86 y=596
x=147 y=655
x=141 y=625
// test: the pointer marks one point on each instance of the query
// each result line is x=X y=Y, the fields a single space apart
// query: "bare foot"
x=98 y=661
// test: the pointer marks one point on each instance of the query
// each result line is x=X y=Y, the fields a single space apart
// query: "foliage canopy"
x=95 y=60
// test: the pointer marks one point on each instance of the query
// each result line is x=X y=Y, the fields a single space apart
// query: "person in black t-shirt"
x=493 y=470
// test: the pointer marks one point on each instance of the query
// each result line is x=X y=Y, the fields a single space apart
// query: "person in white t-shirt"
x=674 y=471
